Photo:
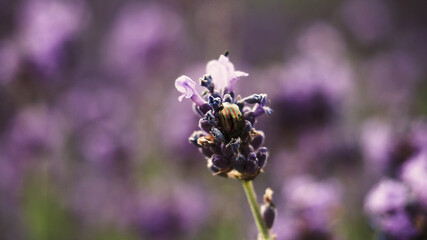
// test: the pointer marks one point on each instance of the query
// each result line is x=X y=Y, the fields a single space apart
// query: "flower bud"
x=246 y=149
x=204 y=108
x=215 y=148
x=268 y=213
x=227 y=150
x=268 y=210
x=220 y=162
x=239 y=162
x=262 y=156
x=206 y=81
x=251 y=163
x=258 y=140
x=206 y=151
x=215 y=102
x=246 y=129
x=205 y=125
x=249 y=116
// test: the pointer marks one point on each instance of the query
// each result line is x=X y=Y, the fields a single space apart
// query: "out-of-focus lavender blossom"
x=111 y=149
x=368 y=21
x=45 y=29
x=386 y=204
x=101 y=122
x=142 y=37
x=311 y=207
x=314 y=201
x=386 y=148
x=9 y=61
x=414 y=174
x=103 y=106
x=316 y=81
x=102 y=136
x=175 y=215
x=35 y=134
x=376 y=139
x=419 y=133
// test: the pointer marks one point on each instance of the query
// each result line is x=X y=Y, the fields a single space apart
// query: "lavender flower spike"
x=228 y=139
x=223 y=73
x=387 y=205
x=227 y=136
x=187 y=87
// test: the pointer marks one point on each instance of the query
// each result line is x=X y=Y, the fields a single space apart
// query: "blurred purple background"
x=94 y=143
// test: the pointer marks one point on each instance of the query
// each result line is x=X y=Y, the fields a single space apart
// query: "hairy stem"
x=253 y=203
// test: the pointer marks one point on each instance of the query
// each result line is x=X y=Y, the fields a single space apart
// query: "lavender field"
x=127 y=120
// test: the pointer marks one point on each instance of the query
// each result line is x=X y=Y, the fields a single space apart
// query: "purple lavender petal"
x=414 y=173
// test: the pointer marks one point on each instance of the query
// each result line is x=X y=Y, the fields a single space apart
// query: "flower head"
x=228 y=140
x=387 y=205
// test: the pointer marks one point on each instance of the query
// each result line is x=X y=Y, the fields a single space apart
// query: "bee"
x=231 y=119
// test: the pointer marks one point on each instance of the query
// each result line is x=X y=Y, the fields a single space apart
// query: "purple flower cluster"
x=46 y=28
x=316 y=82
x=386 y=148
x=397 y=205
x=392 y=210
x=311 y=206
x=227 y=138
x=414 y=174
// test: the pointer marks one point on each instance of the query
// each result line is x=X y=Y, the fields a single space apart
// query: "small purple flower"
x=227 y=137
x=386 y=205
x=414 y=173
x=222 y=70
x=187 y=87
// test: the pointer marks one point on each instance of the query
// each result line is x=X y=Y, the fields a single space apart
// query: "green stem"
x=253 y=203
